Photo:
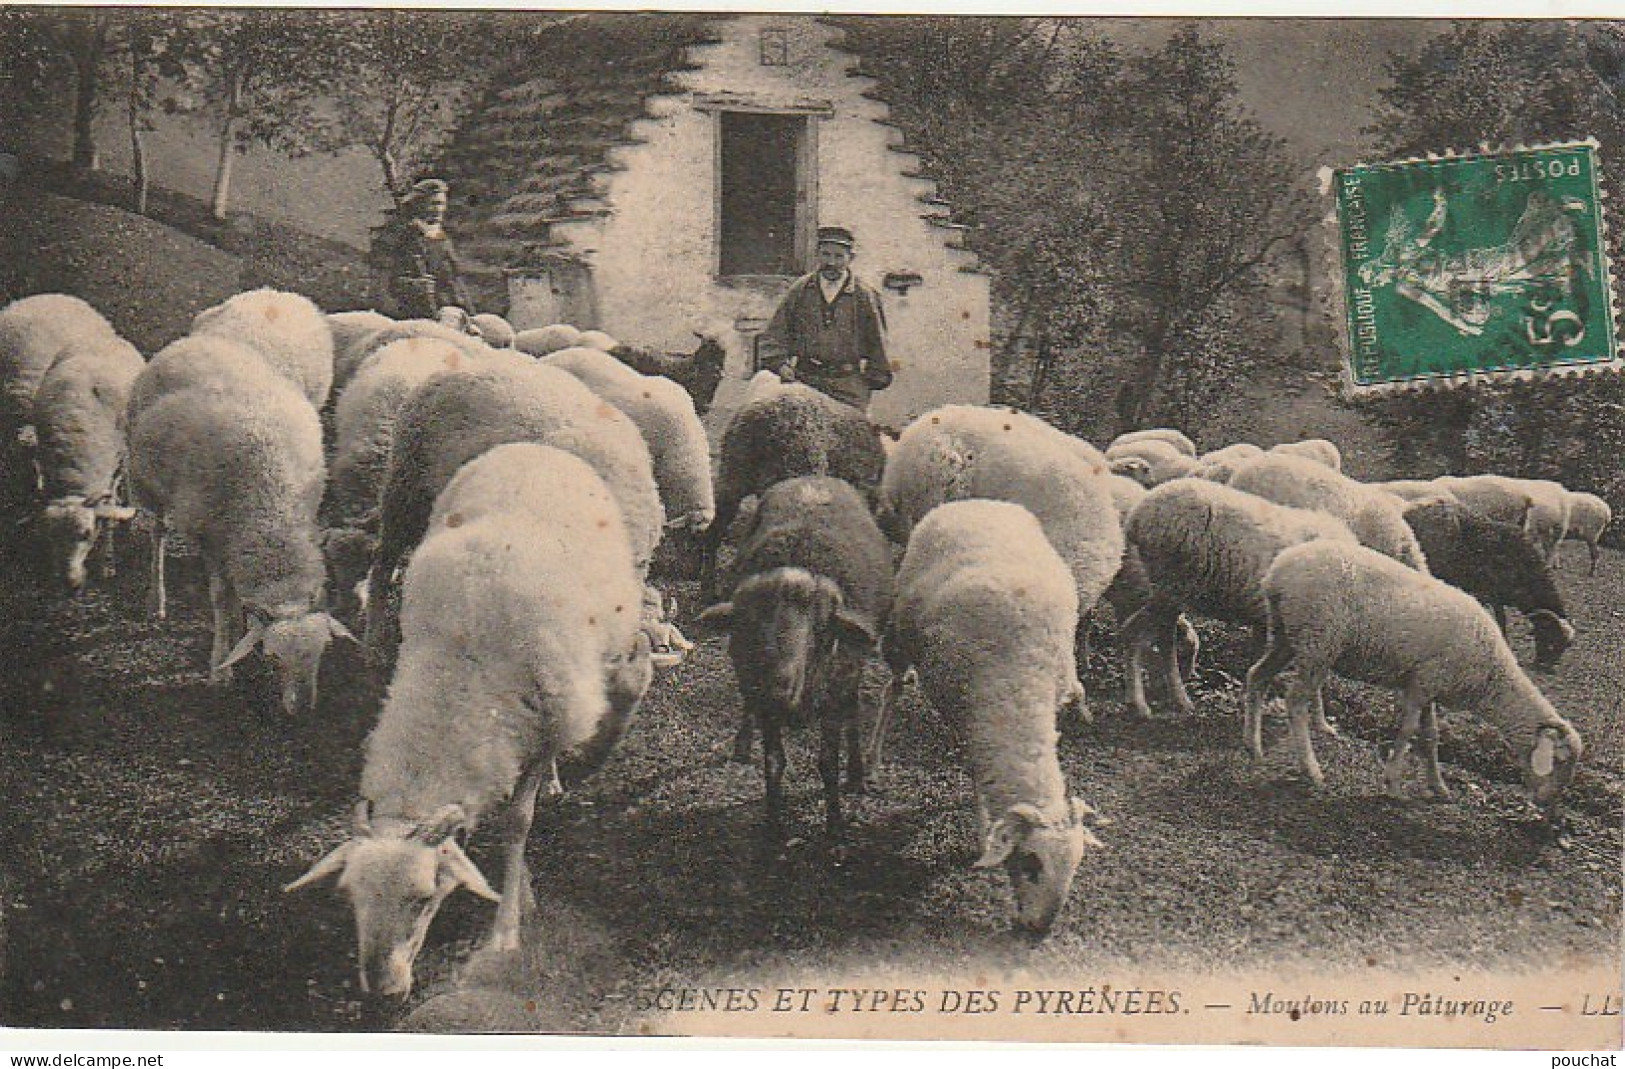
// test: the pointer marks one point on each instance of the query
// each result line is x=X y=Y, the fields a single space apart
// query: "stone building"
x=663 y=174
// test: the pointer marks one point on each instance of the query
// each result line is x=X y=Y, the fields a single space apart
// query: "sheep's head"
x=708 y=361
x=786 y=625
x=1551 y=761
x=1040 y=857
x=294 y=641
x=1136 y=468
x=69 y=526
x=396 y=877
x=1553 y=635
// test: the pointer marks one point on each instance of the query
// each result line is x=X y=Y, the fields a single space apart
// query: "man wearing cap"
x=419 y=273
x=830 y=330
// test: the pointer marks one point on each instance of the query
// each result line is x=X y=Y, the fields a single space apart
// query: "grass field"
x=152 y=820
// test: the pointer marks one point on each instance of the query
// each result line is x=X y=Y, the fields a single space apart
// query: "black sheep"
x=814 y=591
x=794 y=430
x=1497 y=563
x=699 y=372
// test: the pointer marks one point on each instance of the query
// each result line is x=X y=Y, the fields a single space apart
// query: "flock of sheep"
x=489 y=504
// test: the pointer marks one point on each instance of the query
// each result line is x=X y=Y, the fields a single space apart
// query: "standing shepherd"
x=418 y=269
x=830 y=331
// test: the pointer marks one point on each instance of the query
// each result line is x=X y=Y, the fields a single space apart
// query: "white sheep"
x=449 y=420
x=289 y=332
x=958 y=452
x=1219 y=464
x=1376 y=517
x=1415 y=491
x=1205 y=548
x=1131 y=589
x=493 y=330
x=33 y=330
x=521 y=660
x=664 y=413
x=1589 y=517
x=349 y=359
x=1344 y=609
x=1158 y=461
x=1539 y=506
x=79 y=419
x=539 y=341
x=597 y=339
x=1319 y=450
x=986 y=611
x=232 y=459
x=364 y=426
x=1173 y=437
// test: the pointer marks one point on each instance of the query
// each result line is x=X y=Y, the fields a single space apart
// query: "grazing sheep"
x=1205 y=548
x=521 y=659
x=33 y=330
x=699 y=372
x=493 y=330
x=793 y=430
x=960 y=452
x=671 y=428
x=1159 y=461
x=539 y=341
x=289 y=332
x=1175 y=438
x=1319 y=450
x=78 y=416
x=986 y=611
x=1376 y=517
x=1540 y=506
x=451 y=419
x=1412 y=491
x=1344 y=609
x=813 y=592
x=1497 y=563
x=1589 y=517
x=364 y=423
x=233 y=460
x=351 y=329
x=1218 y=465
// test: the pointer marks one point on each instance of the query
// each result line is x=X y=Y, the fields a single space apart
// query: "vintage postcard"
x=760 y=525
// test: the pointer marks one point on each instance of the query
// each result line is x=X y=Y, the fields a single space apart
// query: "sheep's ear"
x=855 y=628
x=455 y=867
x=719 y=615
x=108 y=510
x=245 y=645
x=338 y=630
x=1005 y=834
x=1541 y=759
x=1086 y=817
x=331 y=865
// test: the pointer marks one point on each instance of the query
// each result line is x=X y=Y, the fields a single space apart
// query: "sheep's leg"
x=516 y=889
x=1393 y=770
x=160 y=603
x=1135 y=639
x=1168 y=655
x=228 y=614
x=1430 y=751
x=1321 y=723
x=744 y=738
x=877 y=731
x=1190 y=647
x=1277 y=657
x=773 y=763
x=1595 y=553
x=1300 y=699
x=711 y=547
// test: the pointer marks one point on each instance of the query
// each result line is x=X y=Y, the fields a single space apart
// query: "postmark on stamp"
x=1473 y=267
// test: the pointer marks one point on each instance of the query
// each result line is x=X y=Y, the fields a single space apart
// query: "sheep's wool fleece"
x=79 y=416
x=796 y=430
x=990 y=612
x=451 y=419
x=820 y=524
x=1376 y=517
x=348 y=361
x=1207 y=546
x=961 y=452
x=286 y=329
x=664 y=413
x=33 y=331
x=508 y=619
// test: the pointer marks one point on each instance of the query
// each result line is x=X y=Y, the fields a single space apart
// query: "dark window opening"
x=764 y=193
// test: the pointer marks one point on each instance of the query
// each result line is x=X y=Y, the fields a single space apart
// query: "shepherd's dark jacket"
x=838 y=347
x=418 y=274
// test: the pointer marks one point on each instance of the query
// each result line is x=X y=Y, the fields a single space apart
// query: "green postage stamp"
x=1467 y=267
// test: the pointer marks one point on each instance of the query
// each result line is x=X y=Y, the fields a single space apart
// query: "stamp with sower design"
x=1474 y=267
